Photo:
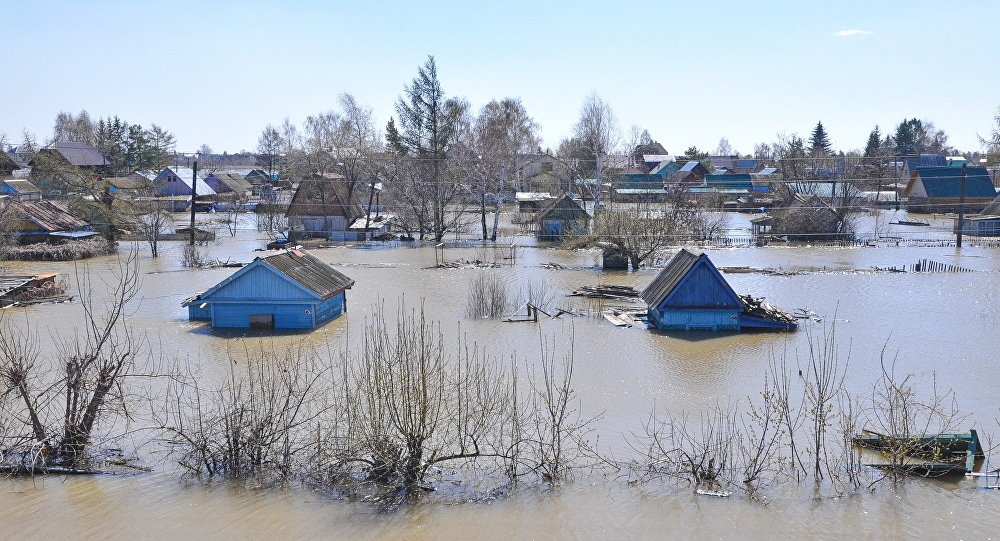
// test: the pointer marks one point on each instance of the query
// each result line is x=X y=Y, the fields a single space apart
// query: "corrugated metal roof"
x=50 y=216
x=78 y=153
x=309 y=271
x=670 y=277
x=233 y=181
x=946 y=181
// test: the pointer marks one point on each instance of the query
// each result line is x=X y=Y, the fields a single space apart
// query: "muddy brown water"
x=945 y=325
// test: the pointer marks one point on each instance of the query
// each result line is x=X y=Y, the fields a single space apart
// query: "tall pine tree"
x=874 y=144
x=819 y=141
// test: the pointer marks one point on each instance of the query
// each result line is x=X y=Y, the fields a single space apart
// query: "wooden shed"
x=562 y=218
x=691 y=294
x=289 y=290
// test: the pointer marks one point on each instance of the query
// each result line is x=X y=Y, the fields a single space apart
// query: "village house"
x=324 y=208
x=691 y=173
x=177 y=184
x=562 y=218
x=691 y=294
x=43 y=221
x=19 y=189
x=940 y=189
x=542 y=173
x=65 y=166
x=289 y=290
x=984 y=224
x=228 y=183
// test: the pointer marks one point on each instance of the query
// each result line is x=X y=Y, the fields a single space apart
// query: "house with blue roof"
x=940 y=189
x=691 y=294
x=289 y=290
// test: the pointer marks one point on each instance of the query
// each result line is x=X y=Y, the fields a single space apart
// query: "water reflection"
x=941 y=324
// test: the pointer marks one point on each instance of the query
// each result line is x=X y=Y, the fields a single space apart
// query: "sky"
x=218 y=72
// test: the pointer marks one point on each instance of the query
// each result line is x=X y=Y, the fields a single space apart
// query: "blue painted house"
x=562 y=218
x=691 y=294
x=289 y=290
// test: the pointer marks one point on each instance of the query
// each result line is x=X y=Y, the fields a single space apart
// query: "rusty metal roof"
x=309 y=271
x=50 y=216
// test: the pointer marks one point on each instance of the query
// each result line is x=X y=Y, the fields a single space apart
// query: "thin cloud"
x=848 y=33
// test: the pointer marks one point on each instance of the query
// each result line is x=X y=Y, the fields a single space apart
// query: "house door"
x=262 y=321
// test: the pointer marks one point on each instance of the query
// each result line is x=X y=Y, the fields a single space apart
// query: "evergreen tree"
x=874 y=145
x=907 y=137
x=819 y=141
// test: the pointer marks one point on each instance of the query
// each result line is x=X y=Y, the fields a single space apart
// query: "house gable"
x=690 y=281
x=258 y=282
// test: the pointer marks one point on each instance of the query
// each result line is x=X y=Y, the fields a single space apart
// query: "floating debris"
x=606 y=292
x=756 y=307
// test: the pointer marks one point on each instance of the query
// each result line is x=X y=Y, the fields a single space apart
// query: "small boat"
x=910 y=222
x=926 y=453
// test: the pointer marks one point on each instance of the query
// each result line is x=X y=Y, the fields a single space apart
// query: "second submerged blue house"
x=691 y=294
x=290 y=290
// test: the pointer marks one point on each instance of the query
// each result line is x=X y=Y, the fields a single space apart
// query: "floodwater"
x=943 y=326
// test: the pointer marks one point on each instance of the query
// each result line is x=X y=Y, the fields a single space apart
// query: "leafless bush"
x=408 y=407
x=257 y=425
x=898 y=413
x=536 y=292
x=702 y=454
x=489 y=296
x=555 y=442
x=192 y=256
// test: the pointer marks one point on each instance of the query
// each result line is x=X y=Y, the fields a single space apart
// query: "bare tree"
x=502 y=131
x=61 y=412
x=640 y=230
x=597 y=132
x=269 y=147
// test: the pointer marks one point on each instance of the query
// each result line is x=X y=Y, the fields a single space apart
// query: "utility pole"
x=194 y=196
x=961 y=207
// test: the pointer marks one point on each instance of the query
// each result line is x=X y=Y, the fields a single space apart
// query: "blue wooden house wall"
x=701 y=300
x=256 y=290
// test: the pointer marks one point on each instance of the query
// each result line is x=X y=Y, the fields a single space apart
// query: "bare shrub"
x=489 y=296
x=555 y=442
x=192 y=256
x=536 y=292
x=257 y=425
x=408 y=407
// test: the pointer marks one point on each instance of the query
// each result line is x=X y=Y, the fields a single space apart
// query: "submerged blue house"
x=691 y=294
x=289 y=290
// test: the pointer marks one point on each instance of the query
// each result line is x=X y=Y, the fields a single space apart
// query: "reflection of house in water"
x=691 y=294
x=290 y=290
